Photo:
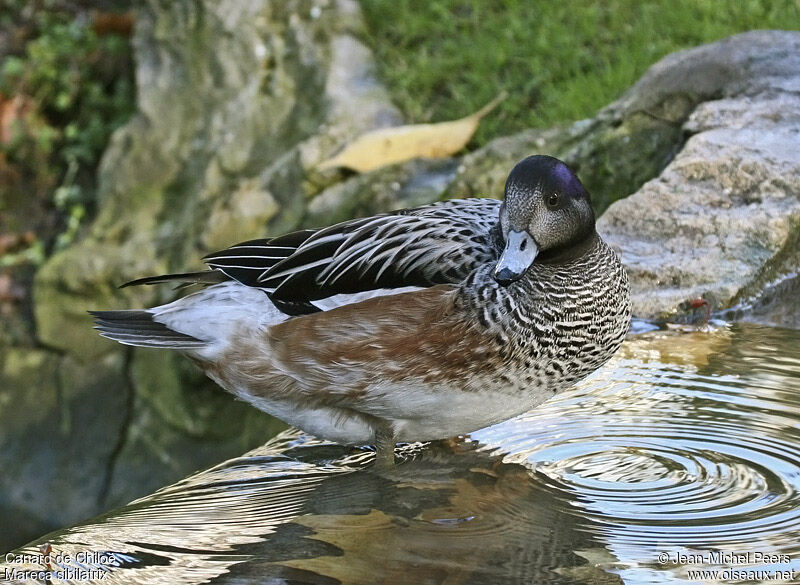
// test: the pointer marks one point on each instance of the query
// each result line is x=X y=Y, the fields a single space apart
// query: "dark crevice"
x=130 y=397
x=783 y=264
x=670 y=122
x=40 y=345
x=59 y=384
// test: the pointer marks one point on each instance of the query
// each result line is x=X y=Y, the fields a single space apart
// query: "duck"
x=416 y=325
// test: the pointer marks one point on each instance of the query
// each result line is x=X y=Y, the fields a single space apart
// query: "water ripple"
x=676 y=450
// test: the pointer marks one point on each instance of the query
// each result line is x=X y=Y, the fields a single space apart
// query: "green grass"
x=560 y=61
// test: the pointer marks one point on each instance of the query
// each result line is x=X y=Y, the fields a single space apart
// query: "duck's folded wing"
x=383 y=340
x=435 y=244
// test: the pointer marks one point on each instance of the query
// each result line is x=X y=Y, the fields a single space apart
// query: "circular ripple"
x=657 y=456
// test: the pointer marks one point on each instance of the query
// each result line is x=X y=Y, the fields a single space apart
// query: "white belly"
x=423 y=413
x=416 y=412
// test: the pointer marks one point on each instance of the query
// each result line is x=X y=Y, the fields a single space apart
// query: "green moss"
x=559 y=61
x=28 y=387
x=73 y=89
x=615 y=161
x=60 y=421
x=175 y=394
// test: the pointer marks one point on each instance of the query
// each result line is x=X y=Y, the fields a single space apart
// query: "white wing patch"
x=341 y=300
x=219 y=313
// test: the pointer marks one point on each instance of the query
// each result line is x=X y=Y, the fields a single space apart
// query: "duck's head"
x=546 y=217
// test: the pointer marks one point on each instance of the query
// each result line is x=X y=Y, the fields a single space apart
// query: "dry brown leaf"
x=12 y=242
x=401 y=143
x=12 y=110
x=109 y=23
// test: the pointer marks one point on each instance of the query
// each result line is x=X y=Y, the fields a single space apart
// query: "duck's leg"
x=384 y=446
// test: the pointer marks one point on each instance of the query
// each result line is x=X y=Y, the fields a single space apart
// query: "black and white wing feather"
x=435 y=244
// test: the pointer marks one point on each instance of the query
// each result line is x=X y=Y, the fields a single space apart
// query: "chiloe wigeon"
x=415 y=325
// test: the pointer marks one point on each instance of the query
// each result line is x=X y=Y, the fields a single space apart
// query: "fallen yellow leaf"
x=401 y=143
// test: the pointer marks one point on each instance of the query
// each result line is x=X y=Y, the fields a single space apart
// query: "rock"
x=411 y=184
x=614 y=154
x=60 y=424
x=775 y=304
x=237 y=100
x=16 y=305
x=722 y=220
x=179 y=420
x=484 y=172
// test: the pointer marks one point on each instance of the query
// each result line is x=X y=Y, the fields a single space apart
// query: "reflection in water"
x=449 y=514
x=686 y=443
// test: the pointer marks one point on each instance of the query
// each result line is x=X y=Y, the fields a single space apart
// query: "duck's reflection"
x=451 y=514
x=448 y=513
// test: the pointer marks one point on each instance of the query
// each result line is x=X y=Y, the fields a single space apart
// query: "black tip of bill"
x=517 y=257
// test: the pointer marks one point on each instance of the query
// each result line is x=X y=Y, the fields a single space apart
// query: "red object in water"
x=697 y=303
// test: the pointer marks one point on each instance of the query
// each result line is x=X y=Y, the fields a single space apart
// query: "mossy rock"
x=61 y=422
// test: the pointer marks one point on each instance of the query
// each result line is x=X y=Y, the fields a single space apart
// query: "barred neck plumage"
x=576 y=282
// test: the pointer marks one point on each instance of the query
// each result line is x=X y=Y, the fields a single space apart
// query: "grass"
x=559 y=61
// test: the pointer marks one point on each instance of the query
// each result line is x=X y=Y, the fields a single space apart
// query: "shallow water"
x=682 y=454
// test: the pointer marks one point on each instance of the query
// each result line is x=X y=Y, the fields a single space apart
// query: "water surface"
x=682 y=454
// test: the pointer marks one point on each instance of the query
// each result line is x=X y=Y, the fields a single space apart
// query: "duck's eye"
x=552 y=200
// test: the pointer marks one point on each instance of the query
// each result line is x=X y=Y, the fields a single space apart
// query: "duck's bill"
x=519 y=254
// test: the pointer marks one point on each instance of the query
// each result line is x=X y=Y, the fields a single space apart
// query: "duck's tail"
x=203 y=323
x=141 y=329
